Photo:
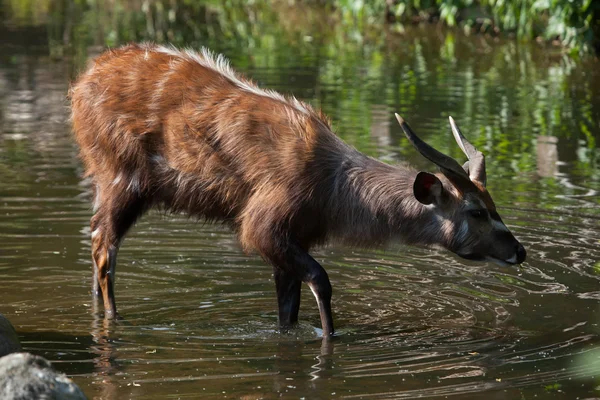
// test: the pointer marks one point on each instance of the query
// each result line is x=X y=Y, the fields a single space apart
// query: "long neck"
x=373 y=202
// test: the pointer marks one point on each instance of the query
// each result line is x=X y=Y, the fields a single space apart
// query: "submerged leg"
x=103 y=284
x=288 y=288
x=109 y=225
x=261 y=228
x=298 y=263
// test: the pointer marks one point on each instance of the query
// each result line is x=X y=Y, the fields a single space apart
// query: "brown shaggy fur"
x=161 y=127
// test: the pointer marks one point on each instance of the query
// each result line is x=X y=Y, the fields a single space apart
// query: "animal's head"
x=458 y=198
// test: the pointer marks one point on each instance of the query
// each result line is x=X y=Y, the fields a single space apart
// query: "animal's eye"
x=479 y=214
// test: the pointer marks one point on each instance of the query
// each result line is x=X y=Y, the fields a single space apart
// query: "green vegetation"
x=573 y=23
x=503 y=94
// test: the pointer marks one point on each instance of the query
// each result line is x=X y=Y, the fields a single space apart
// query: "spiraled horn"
x=449 y=166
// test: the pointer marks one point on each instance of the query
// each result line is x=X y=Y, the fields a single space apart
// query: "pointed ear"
x=427 y=188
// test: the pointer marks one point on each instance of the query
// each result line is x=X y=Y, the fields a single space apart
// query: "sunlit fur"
x=178 y=129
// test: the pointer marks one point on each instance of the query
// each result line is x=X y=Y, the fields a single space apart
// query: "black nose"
x=521 y=253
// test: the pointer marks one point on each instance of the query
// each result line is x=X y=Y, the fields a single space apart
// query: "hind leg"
x=117 y=212
x=97 y=200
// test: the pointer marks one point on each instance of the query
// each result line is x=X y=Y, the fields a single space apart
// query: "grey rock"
x=9 y=341
x=24 y=376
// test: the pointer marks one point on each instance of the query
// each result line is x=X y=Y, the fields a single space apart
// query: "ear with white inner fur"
x=427 y=188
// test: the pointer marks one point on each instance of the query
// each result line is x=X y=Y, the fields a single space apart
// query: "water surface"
x=200 y=315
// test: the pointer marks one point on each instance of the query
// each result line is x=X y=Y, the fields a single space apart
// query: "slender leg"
x=318 y=281
x=297 y=262
x=109 y=225
x=264 y=231
x=101 y=256
x=288 y=288
x=94 y=226
x=95 y=285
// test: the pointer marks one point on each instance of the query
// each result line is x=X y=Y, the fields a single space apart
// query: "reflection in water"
x=380 y=125
x=547 y=156
x=200 y=316
x=105 y=360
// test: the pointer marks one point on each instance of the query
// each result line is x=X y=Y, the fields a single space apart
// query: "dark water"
x=200 y=316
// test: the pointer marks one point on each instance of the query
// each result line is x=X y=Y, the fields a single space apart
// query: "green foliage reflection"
x=504 y=94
